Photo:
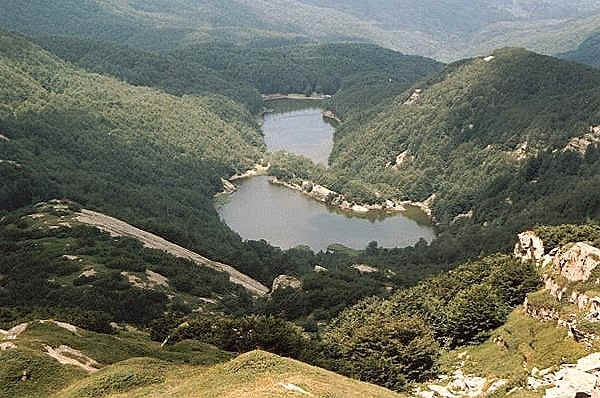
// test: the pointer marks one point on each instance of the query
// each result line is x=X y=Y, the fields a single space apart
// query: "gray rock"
x=495 y=386
x=441 y=391
x=589 y=363
x=560 y=392
x=284 y=281
x=577 y=380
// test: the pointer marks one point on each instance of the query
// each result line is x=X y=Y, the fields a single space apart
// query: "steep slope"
x=143 y=68
x=136 y=153
x=587 y=53
x=91 y=269
x=117 y=227
x=457 y=134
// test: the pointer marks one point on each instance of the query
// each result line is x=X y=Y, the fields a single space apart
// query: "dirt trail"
x=117 y=227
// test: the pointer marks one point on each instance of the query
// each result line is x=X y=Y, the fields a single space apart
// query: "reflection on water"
x=297 y=126
x=287 y=218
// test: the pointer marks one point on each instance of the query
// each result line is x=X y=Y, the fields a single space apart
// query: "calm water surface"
x=298 y=126
x=287 y=218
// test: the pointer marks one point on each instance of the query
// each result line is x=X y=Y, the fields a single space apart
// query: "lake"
x=298 y=126
x=287 y=218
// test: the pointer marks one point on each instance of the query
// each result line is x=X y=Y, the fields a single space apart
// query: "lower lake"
x=287 y=218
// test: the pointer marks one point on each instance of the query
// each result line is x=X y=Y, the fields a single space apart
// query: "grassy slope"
x=135 y=367
x=46 y=375
x=256 y=374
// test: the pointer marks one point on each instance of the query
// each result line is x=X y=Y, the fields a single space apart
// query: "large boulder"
x=577 y=261
x=286 y=281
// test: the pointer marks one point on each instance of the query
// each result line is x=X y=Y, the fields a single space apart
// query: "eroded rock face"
x=576 y=262
x=529 y=247
x=286 y=281
x=581 y=144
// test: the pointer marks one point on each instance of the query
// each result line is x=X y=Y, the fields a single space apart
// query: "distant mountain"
x=443 y=29
x=587 y=53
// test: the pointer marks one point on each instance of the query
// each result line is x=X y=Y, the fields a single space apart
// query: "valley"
x=260 y=209
x=243 y=198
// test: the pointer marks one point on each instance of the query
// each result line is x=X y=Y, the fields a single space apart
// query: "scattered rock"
x=69 y=257
x=467 y=215
x=258 y=169
x=13 y=333
x=7 y=346
x=328 y=114
x=89 y=273
x=228 y=187
x=414 y=97
x=401 y=160
x=577 y=261
x=364 y=269
x=157 y=279
x=582 y=143
x=318 y=268
x=441 y=391
x=286 y=281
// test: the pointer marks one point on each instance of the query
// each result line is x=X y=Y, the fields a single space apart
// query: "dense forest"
x=310 y=68
x=141 y=68
x=448 y=136
x=156 y=160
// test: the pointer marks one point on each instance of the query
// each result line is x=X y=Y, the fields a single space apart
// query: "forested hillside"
x=142 y=68
x=504 y=143
x=153 y=159
x=310 y=68
x=588 y=52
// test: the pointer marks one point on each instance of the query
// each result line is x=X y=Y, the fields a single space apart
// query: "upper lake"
x=297 y=126
x=287 y=218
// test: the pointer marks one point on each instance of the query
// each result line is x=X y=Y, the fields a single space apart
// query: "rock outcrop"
x=461 y=385
x=414 y=97
x=582 y=143
x=529 y=247
x=401 y=160
x=575 y=262
x=286 y=281
x=570 y=381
